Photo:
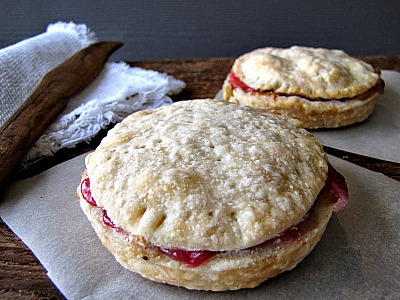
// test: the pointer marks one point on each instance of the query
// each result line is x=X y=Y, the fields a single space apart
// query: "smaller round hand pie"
x=320 y=87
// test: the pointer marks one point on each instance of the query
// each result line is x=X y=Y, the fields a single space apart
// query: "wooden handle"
x=27 y=124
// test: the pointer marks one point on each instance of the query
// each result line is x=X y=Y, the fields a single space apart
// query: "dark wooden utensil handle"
x=27 y=124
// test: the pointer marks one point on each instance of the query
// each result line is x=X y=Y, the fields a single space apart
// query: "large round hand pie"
x=209 y=195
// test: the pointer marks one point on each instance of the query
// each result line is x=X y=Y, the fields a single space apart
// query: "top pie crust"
x=308 y=72
x=206 y=174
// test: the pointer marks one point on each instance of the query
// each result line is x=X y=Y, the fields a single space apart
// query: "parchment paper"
x=379 y=135
x=357 y=258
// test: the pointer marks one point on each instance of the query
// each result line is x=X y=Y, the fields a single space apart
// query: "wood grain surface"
x=23 y=277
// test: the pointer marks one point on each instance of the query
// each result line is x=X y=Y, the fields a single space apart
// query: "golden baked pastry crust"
x=303 y=71
x=206 y=174
x=311 y=114
x=225 y=271
x=322 y=88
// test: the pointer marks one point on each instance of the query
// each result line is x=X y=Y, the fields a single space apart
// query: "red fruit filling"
x=335 y=185
x=86 y=192
x=107 y=221
x=87 y=195
x=235 y=82
x=191 y=259
x=338 y=188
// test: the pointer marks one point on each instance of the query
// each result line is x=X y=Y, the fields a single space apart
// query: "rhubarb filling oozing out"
x=87 y=195
x=335 y=186
x=235 y=82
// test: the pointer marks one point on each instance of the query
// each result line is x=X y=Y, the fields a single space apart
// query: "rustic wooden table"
x=23 y=277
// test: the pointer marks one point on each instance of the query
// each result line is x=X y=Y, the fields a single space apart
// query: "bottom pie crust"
x=229 y=270
x=312 y=114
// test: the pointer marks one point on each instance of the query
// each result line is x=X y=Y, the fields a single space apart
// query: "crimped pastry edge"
x=311 y=114
x=292 y=71
x=120 y=181
x=241 y=269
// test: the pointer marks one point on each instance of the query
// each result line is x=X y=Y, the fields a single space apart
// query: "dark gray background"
x=153 y=30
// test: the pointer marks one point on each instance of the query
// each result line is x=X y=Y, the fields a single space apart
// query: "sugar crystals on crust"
x=322 y=88
x=304 y=71
x=201 y=175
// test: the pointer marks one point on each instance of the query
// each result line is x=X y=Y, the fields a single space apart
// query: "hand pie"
x=209 y=195
x=322 y=88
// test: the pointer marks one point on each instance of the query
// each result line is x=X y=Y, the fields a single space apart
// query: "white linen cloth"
x=118 y=91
